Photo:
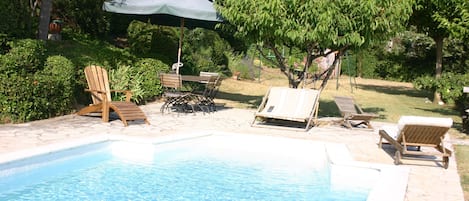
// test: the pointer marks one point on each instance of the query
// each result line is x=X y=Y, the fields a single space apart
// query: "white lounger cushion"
x=419 y=120
x=393 y=131
x=290 y=104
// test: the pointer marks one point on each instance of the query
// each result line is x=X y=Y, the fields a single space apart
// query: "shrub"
x=238 y=64
x=62 y=72
x=32 y=96
x=204 y=50
x=15 y=98
x=450 y=85
x=141 y=79
x=148 y=69
x=25 y=56
x=122 y=78
x=17 y=20
x=147 y=40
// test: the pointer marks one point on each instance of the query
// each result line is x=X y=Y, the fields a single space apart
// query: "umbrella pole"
x=180 y=45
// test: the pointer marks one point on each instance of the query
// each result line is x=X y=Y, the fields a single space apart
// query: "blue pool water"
x=206 y=168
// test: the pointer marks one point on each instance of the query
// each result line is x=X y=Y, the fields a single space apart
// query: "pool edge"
x=392 y=184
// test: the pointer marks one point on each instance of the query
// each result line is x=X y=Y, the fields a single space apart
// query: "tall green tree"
x=439 y=20
x=313 y=26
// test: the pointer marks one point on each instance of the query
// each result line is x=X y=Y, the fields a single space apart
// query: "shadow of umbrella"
x=189 y=13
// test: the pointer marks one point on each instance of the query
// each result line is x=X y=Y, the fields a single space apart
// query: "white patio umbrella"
x=193 y=10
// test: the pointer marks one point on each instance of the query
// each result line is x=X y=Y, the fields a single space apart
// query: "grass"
x=462 y=154
x=388 y=99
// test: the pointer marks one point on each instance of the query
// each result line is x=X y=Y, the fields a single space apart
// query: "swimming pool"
x=194 y=167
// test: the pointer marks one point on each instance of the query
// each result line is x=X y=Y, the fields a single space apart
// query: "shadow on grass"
x=326 y=108
x=330 y=109
x=446 y=111
x=396 y=90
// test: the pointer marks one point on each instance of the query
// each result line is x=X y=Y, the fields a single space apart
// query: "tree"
x=44 y=19
x=313 y=26
x=439 y=20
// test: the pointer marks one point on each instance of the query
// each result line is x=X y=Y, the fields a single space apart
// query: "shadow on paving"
x=250 y=101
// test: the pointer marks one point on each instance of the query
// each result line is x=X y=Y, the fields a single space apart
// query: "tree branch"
x=331 y=68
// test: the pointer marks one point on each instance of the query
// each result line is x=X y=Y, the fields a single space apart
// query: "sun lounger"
x=288 y=105
x=417 y=132
x=353 y=115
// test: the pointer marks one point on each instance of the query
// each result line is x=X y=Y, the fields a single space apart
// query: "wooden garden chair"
x=352 y=114
x=98 y=86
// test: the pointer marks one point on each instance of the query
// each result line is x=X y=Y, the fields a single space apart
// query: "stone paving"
x=428 y=181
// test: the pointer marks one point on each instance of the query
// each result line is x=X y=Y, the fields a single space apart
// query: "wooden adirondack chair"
x=98 y=86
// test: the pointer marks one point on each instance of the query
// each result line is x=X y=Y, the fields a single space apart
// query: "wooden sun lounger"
x=351 y=113
x=98 y=86
x=414 y=131
x=288 y=105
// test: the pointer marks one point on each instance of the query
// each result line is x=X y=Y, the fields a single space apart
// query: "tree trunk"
x=438 y=67
x=359 y=63
x=44 y=19
x=331 y=69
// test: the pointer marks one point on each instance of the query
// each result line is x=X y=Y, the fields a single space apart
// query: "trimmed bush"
x=25 y=56
x=61 y=72
x=32 y=96
x=450 y=85
x=148 y=69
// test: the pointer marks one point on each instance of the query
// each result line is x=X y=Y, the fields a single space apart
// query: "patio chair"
x=172 y=84
x=174 y=97
x=414 y=132
x=353 y=115
x=98 y=86
x=209 y=74
x=206 y=96
x=287 y=105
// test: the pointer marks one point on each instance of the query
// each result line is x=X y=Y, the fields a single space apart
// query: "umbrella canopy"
x=198 y=10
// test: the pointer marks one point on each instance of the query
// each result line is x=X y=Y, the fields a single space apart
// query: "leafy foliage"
x=25 y=56
x=147 y=40
x=202 y=50
x=206 y=51
x=85 y=16
x=38 y=91
x=406 y=56
x=450 y=85
x=60 y=71
x=17 y=21
x=314 y=26
x=148 y=69
x=141 y=78
x=439 y=20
